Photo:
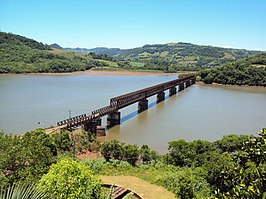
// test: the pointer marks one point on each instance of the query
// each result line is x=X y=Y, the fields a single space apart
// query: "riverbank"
x=101 y=73
x=230 y=85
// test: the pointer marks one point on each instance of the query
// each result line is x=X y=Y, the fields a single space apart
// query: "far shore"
x=230 y=85
x=101 y=73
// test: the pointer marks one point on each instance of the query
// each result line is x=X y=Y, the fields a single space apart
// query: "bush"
x=25 y=158
x=185 y=184
x=70 y=179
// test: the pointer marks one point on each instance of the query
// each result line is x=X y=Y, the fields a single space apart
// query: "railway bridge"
x=92 y=122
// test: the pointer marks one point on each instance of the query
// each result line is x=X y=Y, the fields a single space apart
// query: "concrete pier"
x=188 y=83
x=100 y=131
x=160 y=96
x=193 y=81
x=143 y=105
x=98 y=122
x=90 y=126
x=113 y=118
x=181 y=87
x=172 y=91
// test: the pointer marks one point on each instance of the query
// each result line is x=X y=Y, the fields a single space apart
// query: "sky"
x=134 y=23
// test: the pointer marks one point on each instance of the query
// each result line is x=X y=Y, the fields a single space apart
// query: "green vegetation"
x=130 y=153
x=25 y=158
x=19 y=54
x=70 y=179
x=19 y=191
x=22 y=55
x=173 y=57
x=232 y=167
x=250 y=71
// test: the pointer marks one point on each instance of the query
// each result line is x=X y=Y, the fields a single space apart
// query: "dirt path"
x=143 y=188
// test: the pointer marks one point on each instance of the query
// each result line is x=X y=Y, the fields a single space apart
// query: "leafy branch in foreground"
x=21 y=191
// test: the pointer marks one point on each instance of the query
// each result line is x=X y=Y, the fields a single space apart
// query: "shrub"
x=70 y=179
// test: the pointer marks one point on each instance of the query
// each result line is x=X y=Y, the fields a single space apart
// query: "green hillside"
x=250 y=71
x=19 y=54
x=175 y=56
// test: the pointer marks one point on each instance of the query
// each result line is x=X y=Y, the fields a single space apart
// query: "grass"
x=110 y=63
x=137 y=64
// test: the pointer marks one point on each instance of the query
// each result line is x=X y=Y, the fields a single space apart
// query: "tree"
x=231 y=143
x=112 y=150
x=9 y=164
x=71 y=179
x=220 y=168
x=179 y=151
x=184 y=153
x=250 y=180
x=26 y=157
x=185 y=183
x=147 y=155
x=130 y=153
x=62 y=141
x=38 y=152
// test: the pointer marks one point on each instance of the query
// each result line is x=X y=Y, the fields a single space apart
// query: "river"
x=199 y=112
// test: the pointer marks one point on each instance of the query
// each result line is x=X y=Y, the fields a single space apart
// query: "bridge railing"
x=104 y=111
x=63 y=122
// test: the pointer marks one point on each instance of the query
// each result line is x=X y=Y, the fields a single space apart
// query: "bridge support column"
x=90 y=126
x=113 y=118
x=172 y=91
x=100 y=131
x=160 y=96
x=193 y=81
x=188 y=83
x=143 y=105
x=181 y=87
x=98 y=122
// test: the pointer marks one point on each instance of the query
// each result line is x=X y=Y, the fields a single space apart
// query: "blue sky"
x=134 y=23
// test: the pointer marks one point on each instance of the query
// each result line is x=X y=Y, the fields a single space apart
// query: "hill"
x=250 y=71
x=19 y=54
x=175 y=56
x=98 y=50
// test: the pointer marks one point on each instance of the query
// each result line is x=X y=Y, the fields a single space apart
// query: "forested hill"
x=19 y=54
x=176 y=56
x=250 y=71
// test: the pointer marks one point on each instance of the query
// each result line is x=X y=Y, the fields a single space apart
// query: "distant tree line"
x=251 y=71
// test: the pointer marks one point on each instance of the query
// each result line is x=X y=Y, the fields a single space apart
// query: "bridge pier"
x=172 y=91
x=113 y=118
x=187 y=83
x=95 y=127
x=160 y=96
x=143 y=105
x=98 y=121
x=90 y=126
x=100 y=131
x=181 y=87
x=193 y=81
